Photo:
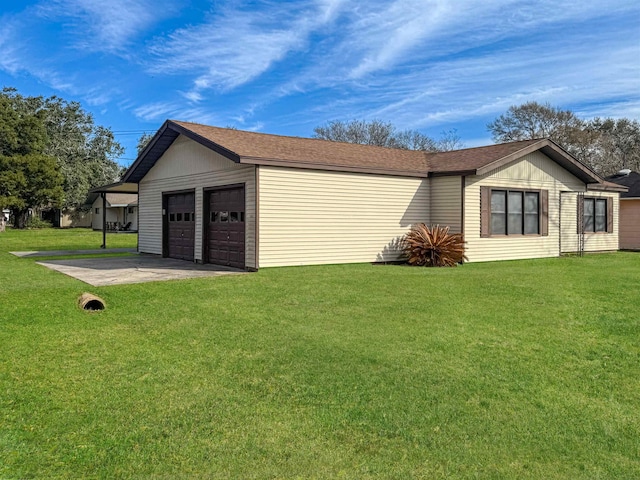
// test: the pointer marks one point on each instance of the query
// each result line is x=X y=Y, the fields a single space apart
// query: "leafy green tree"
x=85 y=152
x=22 y=130
x=143 y=141
x=28 y=181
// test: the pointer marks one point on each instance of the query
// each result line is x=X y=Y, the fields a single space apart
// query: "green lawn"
x=525 y=369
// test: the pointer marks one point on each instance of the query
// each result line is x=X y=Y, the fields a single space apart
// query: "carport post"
x=104 y=220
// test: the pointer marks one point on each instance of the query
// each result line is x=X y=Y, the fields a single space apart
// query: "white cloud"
x=10 y=58
x=108 y=26
x=155 y=111
x=160 y=111
x=470 y=63
x=234 y=46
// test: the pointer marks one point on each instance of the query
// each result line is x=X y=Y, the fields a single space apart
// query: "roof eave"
x=159 y=144
x=453 y=173
x=118 y=187
x=332 y=167
x=607 y=187
x=204 y=141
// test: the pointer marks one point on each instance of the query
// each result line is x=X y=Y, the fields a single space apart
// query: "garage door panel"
x=226 y=228
x=180 y=225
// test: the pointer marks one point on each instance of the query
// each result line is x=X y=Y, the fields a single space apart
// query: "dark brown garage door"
x=226 y=227
x=180 y=225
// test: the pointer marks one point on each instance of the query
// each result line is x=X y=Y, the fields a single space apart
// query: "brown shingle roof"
x=470 y=159
x=254 y=147
x=266 y=149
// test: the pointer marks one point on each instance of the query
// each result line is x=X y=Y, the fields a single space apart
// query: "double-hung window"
x=595 y=215
x=515 y=212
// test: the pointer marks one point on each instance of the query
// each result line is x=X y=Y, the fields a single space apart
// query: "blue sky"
x=286 y=67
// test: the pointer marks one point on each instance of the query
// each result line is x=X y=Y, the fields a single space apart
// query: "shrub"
x=433 y=247
x=35 y=222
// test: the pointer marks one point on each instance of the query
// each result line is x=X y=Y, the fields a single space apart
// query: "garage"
x=180 y=225
x=225 y=232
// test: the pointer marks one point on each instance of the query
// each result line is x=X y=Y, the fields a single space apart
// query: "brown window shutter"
x=609 y=215
x=485 y=211
x=579 y=219
x=544 y=212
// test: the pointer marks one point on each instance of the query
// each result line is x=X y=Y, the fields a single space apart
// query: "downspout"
x=104 y=220
x=138 y=222
x=462 y=186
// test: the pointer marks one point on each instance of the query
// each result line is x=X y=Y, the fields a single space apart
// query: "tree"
x=605 y=145
x=143 y=141
x=28 y=181
x=534 y=120
x=384 y=134
x=85 y=152
x=21 y=130
x=28 y=177
x=618 y=144
x=449 y=140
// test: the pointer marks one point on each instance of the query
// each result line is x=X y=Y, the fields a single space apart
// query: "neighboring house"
x=121 y=212
x=68 y=218
x=253 y=200
x=629 y=208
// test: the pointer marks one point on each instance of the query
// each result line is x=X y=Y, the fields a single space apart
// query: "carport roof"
x=265 y=149
x=126 y=192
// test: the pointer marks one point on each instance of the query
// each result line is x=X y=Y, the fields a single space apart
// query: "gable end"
x=159 y=144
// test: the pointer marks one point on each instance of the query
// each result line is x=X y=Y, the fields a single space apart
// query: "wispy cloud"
x=469 y=63
x=159 y=111
x=10 y=58
x=16 y=58
x=234 y=45
x=107 y=26
x=289 y=66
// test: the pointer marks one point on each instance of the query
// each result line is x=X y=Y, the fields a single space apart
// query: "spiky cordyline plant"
x=433 y=247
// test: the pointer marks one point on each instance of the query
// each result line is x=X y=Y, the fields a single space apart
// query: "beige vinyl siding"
x=76 y=219
x=569 y=222
x=446 y=202
x=630 y=224
x=593 y=242
x=188 y=165
x=96 y=218
x=312 y=217
x=536 y=172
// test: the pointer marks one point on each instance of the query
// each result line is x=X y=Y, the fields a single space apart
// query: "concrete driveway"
x=100 y=272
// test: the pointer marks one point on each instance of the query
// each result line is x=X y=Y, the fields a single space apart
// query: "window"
x=595 y=215
x=130 y=210
x=97 y=211
x=515 y=212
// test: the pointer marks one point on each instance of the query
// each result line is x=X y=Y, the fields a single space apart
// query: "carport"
x=119 y=187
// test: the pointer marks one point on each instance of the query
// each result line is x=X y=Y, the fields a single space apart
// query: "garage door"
x=226 y=227
x=180 y=225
